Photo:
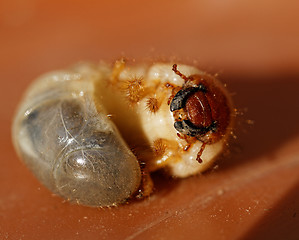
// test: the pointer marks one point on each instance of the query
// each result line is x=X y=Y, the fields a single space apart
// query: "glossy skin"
x=199 y=110
x=72 y=148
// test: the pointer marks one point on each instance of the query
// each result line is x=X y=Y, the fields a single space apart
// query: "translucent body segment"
x=72 y=148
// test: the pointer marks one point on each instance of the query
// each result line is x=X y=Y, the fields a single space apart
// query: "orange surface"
x=251 y=194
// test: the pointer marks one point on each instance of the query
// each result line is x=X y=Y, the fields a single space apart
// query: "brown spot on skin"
x=152 y=104
x=159 y=147
x=134 y=89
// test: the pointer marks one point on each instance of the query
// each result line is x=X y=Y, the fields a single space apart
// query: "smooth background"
x=250 y=194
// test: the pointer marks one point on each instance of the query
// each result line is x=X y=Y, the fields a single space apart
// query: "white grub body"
x=82 y=138
x=159 y=125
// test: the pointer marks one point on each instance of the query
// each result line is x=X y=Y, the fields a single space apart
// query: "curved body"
x=92 y=134
x=71 y=147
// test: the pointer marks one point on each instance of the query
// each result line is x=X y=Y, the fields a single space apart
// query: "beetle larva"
x=86 y=132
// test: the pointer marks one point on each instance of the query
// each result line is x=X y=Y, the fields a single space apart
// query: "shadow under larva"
x=94 y=133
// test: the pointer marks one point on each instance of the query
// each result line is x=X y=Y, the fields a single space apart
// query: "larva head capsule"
x=206 y=107
x=94 y=133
